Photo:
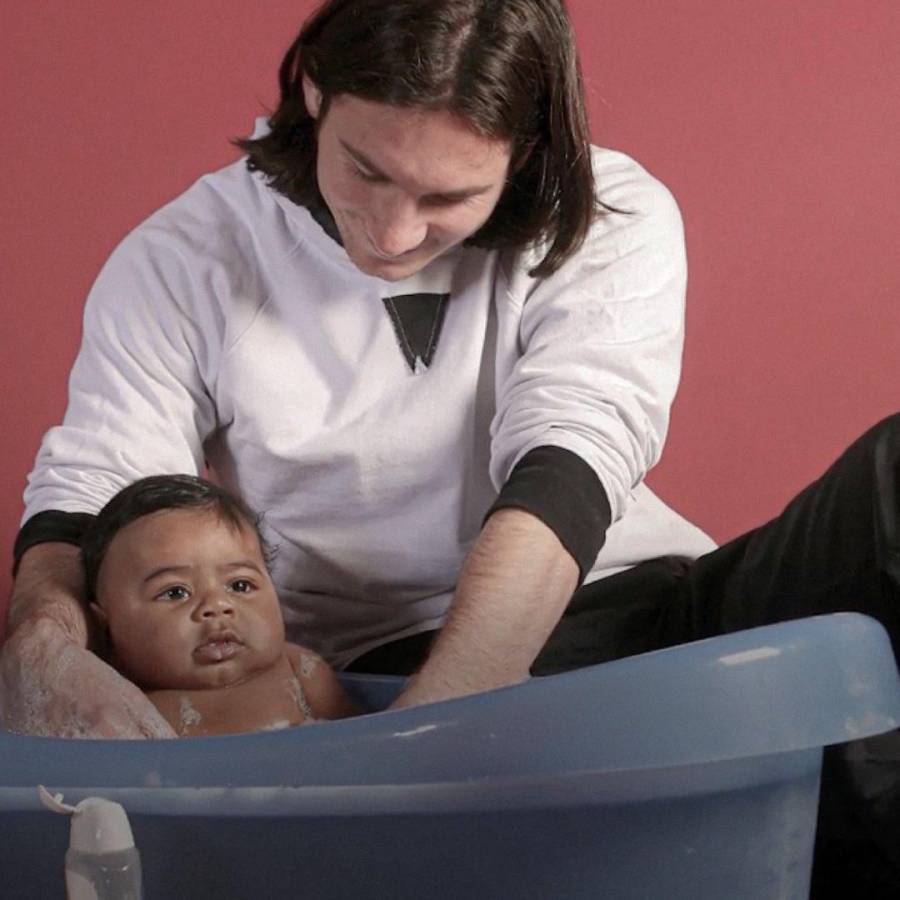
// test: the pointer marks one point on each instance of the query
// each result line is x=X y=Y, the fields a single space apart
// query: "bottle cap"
x=98 y=825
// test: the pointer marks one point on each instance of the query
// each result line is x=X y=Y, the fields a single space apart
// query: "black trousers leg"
x=836 y=547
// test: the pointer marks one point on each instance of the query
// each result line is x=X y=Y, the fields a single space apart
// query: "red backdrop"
x=774 y=123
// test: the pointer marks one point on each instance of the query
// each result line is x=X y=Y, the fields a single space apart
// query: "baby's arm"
x=323 y=690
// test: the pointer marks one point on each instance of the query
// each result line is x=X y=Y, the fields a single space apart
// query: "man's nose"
x=397 y=227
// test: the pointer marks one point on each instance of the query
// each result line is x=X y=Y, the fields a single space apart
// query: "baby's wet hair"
x=155 y=494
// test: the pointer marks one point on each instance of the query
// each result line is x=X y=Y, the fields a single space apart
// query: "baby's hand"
x=52 y=687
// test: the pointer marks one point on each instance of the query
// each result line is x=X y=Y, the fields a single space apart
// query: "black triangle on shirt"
x=417 y=320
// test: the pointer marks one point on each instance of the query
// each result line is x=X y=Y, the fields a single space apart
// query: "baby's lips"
x=218 y=648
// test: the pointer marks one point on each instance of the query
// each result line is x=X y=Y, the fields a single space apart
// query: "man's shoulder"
x=622 y=183
x=217 y=206
x=633 y=205
x=212 y=230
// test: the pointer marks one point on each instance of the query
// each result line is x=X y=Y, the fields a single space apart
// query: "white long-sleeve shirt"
x=230 y=328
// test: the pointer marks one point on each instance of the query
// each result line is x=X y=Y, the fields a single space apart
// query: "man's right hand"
x=50 y=683
x=51 y=686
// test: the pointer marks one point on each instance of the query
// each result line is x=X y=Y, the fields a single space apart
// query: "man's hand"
x=50 y=683
x=52 y=687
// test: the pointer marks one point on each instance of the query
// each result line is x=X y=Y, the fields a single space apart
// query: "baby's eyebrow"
x=242 y=564
x=166 y=570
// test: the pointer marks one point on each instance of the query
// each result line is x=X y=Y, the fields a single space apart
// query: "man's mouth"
x=218 y=647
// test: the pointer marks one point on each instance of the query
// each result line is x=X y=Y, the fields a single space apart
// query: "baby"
x=177 y=575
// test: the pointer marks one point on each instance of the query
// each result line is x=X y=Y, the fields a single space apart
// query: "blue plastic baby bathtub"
x=687 y=773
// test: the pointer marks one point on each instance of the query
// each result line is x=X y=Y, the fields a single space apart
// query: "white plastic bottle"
x=102 y=862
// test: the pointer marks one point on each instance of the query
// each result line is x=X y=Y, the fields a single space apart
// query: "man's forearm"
x=50 y=585
x=511 y=592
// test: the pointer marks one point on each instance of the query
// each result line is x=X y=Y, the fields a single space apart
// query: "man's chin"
x=389 y=270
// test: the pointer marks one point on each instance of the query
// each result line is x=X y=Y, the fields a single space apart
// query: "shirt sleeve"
x=139 y=398
x=48 y=527
x=600 y=343
x=564 y=492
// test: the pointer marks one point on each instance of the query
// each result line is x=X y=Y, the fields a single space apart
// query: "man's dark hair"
x=153 y=494
x=509 y=68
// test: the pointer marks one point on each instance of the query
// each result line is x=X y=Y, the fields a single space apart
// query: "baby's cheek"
x=161 y=641
x=270 y=640
x=268 y=619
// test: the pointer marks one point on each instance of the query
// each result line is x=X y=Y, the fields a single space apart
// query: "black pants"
x=835 y=548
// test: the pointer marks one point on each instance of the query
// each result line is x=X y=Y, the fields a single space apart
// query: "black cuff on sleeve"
x=48 y=526
x=564 y=492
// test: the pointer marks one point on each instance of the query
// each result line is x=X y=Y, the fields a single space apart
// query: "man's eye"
x=241 y=586
x=366 y=175
x=446 y=201
x=174 y=594
x=443 y=200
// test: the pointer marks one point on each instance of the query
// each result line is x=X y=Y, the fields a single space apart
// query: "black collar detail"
x=324 y=219
x=417 y=320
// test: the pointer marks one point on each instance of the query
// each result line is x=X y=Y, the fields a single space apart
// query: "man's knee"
x=881 y=441
x=888 y=429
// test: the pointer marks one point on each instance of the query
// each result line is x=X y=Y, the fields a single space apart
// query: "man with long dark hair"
x=434 y=335
x=424 y=326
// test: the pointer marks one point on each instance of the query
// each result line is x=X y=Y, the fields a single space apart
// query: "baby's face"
x=189 y=602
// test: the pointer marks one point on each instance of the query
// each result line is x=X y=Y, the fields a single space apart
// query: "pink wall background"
x=774 y=123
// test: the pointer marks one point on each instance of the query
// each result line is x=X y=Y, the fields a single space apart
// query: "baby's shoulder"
x=320 y=684
x=304 y=662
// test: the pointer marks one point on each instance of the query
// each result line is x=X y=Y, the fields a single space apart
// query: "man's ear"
x=312 y=96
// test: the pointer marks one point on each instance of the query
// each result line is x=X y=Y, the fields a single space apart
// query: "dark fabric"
x=856 y=853
x=835 y=547
x=417 y=321
x=46 y=527
x=401 y=657
x=564 y=492
x=613 y=617
x=322 y=216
